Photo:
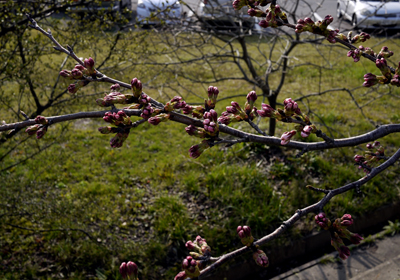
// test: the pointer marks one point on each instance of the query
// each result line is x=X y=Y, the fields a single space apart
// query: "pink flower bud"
x=136 y=87
x=346 y=220
x=261 y=258
x=191 y=130
x=76 y=74
x=41 y=132
x=32 y=129
x=356 y=238
x=196 y=150
x=132 y=269
x=263 y=23
x=251 y=97
x=285 y=138
x=89 y=64
x=181 y=276
x=115 y=87
x=72 y=88
x=212 y=92
x=190 y=245
x=344 y=252
x=154 y=120
x=105 y=129
x=41 y=120
x=309 y=21
x=66 y=74
x=123 y=270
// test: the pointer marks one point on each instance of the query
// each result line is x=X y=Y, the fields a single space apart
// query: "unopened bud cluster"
x=191 y=265
x=381 y=63
x=338 y=230
x=374 y=154
x=78 y=73
x=129 y=271
x=40 y=128
x=274 y=16
x=235 y=113
x=244 y=233
x=115 y=97
x=319 y=27
x=122 y=127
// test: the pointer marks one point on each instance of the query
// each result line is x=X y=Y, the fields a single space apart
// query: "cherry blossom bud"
x=212 y=92
x=238 y=4
x=358 y=158
x=190 y=245
x=72 y=88
x=285 y=138
x=41 y=120
x=199 y=240
x=41 y=132
x=385 y=53
x=263 y=23
x=346 y=220
x=32 y=129
x=115 y=87
x=261 y=258
x=89 y=64
x=76 y=74
x=327 y=20
x=306 y=131
x=251 y=97
x=118 y=140
x=245 y=236
x=136 y=87
x=322 y=221
x=224 y=120
x=123 y=270
x=196 y=150
x=80 y=68
x=309 y=21
x=105 y=129
x=370 y=80
x=66 y=74
x=147 y=112
x=159 y=118
x=339 y=246
x=232 y=110
x=132 y=270
x=190 y=266
x=395 y=81
x=355 y=238
x=181 y=276
x=369 y=146
x=267 y=111
x=187 y=109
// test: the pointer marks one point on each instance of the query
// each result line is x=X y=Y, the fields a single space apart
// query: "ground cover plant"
x=220 y=185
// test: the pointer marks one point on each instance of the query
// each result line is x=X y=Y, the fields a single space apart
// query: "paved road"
x=376 y=261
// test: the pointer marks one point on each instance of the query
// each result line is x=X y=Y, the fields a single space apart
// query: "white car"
x=370 y=14
x=220 y=14
x=158 y=11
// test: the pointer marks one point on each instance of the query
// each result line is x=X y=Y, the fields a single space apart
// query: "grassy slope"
x=92 y=206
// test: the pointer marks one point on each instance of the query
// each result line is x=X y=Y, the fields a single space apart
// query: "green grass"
x=80 y=208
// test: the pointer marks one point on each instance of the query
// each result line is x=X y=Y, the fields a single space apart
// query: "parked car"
x=157 y=11
x=370 y=14
x=221 y=15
